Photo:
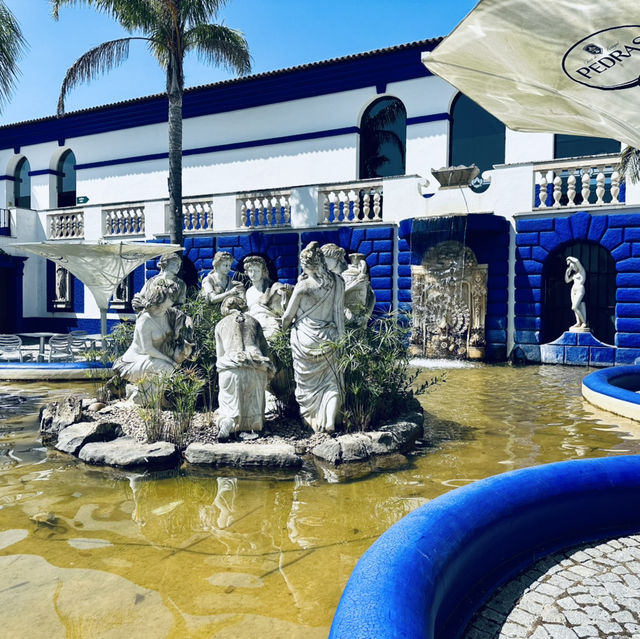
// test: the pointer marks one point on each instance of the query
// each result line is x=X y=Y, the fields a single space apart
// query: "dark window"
x=570 y=146
x=67 y=179
x=476 y=136
x=22 y=185
x=600 y=293
x=383 y=139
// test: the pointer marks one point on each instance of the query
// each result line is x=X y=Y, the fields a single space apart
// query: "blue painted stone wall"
x=619 y=233
x=488 y=237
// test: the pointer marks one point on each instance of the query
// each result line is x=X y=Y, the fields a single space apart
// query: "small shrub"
x=184 y=389
x=152 y=389
x=120 y=339
x=283 y=384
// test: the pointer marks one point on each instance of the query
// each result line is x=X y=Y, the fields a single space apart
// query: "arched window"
x=383 y=139
x=67 y=179
x=570 y=146
x=476 y=136
x=22 y=185
x=599 y=298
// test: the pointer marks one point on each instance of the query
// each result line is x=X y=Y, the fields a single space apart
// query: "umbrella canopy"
x=549 y=66
x=99 y=266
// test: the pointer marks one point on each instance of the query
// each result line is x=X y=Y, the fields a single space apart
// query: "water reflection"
x=241 y=555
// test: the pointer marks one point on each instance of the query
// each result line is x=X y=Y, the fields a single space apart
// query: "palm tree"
x=12 y=43
x=171 y=28
x=630 y=164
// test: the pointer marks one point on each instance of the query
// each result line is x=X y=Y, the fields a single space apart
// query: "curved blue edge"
x=619 y=382
x=54 y=365
x=428 y=574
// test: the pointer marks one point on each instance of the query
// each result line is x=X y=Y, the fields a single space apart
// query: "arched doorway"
x=22 y=184
x=66 y=183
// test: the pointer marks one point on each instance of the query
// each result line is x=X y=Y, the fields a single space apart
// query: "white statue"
x=62 y=284
x=170 y=265
x=359 y=298
x=244 y=369
x=218 y=285
x=266 y=300
x=316 y=315
x=576 y=274
x=161 y=341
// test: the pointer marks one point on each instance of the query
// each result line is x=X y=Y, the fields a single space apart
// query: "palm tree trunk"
x=175 y=90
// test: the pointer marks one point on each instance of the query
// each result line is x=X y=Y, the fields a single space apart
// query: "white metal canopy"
x=549 y=66
x=101 y=266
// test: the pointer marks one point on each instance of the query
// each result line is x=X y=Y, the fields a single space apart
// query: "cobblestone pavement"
x=588 y=591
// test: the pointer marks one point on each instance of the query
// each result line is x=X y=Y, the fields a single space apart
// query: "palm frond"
x=194 y=12
x=630 y=164
x=95 y=62
x=219 y=45
x=137 y=15
x=12 y=43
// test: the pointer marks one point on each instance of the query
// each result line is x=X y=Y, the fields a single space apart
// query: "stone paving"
x=591 y=590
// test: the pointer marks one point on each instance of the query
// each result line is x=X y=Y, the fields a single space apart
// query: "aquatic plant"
x=182 y=397
x=283 y=385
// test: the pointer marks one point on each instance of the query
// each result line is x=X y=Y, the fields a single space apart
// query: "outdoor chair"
x=60 y=348
x=10 y=347
x=78 y=341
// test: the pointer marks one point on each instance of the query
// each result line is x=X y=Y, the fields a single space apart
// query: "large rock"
x=354 y=447
x=126 y=452
x=243 y=455
x=58 y=415
x=74 y=437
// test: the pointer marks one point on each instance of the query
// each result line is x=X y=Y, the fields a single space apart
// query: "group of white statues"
x=328 y=294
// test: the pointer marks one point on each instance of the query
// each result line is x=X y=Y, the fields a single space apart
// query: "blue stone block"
x=528 y=281
x=188 y=242
x=626 y=355
x=523 y=253
x=227 y=241
x=587 y=339
x=404 y=282
x=372 y=259
x=385 y=258
x=527 y=308
x=635 y=249
x=566 y=339
x=284 y=239
x=525 y=295
x=381 y=271
x=404 y=295
x=630 y=265
x=286 y=261
x=538 y=224
x=611 y=238
x=528 y=336
x=379 y=233
x=382 y=246
x=563 y=230
x=496 y=336
x=527 y=239
x=383 y=296
x=357 y=235
x=405 y=227
x=497 y=295
x=322 y=237
x=624 y=220
x=576 y=355
x=286 y=249
x=628 y=340
x=499 y=268
x=206 y=252
x=628 y=295
x=628 y=310
x=365 y=247
x=632 y=235
x=629 y=280
x=403 y=258
x=201 y=242
x=403 y=245
x=549 y=241
x=497 y=309
x=528 y=266
x=495 y=352
x=288 y=273
x=381 y=283
x=597 y=227
x=404 y=270
x=551 y=354
x=496 y=322
x=580 y=225
x=531 y=352
x=627 y=324
x=602 y=356
x=539 y=254
x=497 y=281
x=622 y=251
x=192 y=254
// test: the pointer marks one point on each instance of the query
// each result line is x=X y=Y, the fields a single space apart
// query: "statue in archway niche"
x=169 y=265
x=266 y=300
x=162 y=340
x=316 y=315
x=244 y=369
x=218 y=285
x=359 y=298
x=577 y=277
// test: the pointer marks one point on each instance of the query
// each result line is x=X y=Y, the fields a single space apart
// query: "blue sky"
x=281 y=33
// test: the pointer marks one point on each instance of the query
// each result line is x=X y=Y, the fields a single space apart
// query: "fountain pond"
x=91 y=552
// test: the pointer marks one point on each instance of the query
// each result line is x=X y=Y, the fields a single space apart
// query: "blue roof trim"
x=54 y=365
x=422 y=119
x=7 y=177
x=333 y=76
x=45 y=172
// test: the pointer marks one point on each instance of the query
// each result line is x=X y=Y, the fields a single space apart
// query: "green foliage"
x=205 y=317
x=120 y=338
x=184 y=389
x=377 y=377
x=152 y=389
x=283 y=385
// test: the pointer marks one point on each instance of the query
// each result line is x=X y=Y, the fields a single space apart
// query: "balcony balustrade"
x=270 y=209
x=123 y=220
x=197 y=215
x=5 y=222
x=351 y=203
x=66 y=225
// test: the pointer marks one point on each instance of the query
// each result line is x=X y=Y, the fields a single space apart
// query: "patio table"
x=42 y=336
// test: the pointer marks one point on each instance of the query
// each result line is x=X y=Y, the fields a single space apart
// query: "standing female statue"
x=218 y=285
x=316 y=314
x=575 y=273
x=170 y=265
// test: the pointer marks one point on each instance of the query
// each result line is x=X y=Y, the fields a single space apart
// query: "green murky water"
x=230 y=555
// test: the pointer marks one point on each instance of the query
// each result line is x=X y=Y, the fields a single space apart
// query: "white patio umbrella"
x=100 y=266
x=553 y=65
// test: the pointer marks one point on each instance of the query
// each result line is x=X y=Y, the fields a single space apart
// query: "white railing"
x=5 y=222
x=197 y=215
x=351 y=203
x=123 y=220
x=65 y=225
x=578 y=182
x=265 y=209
